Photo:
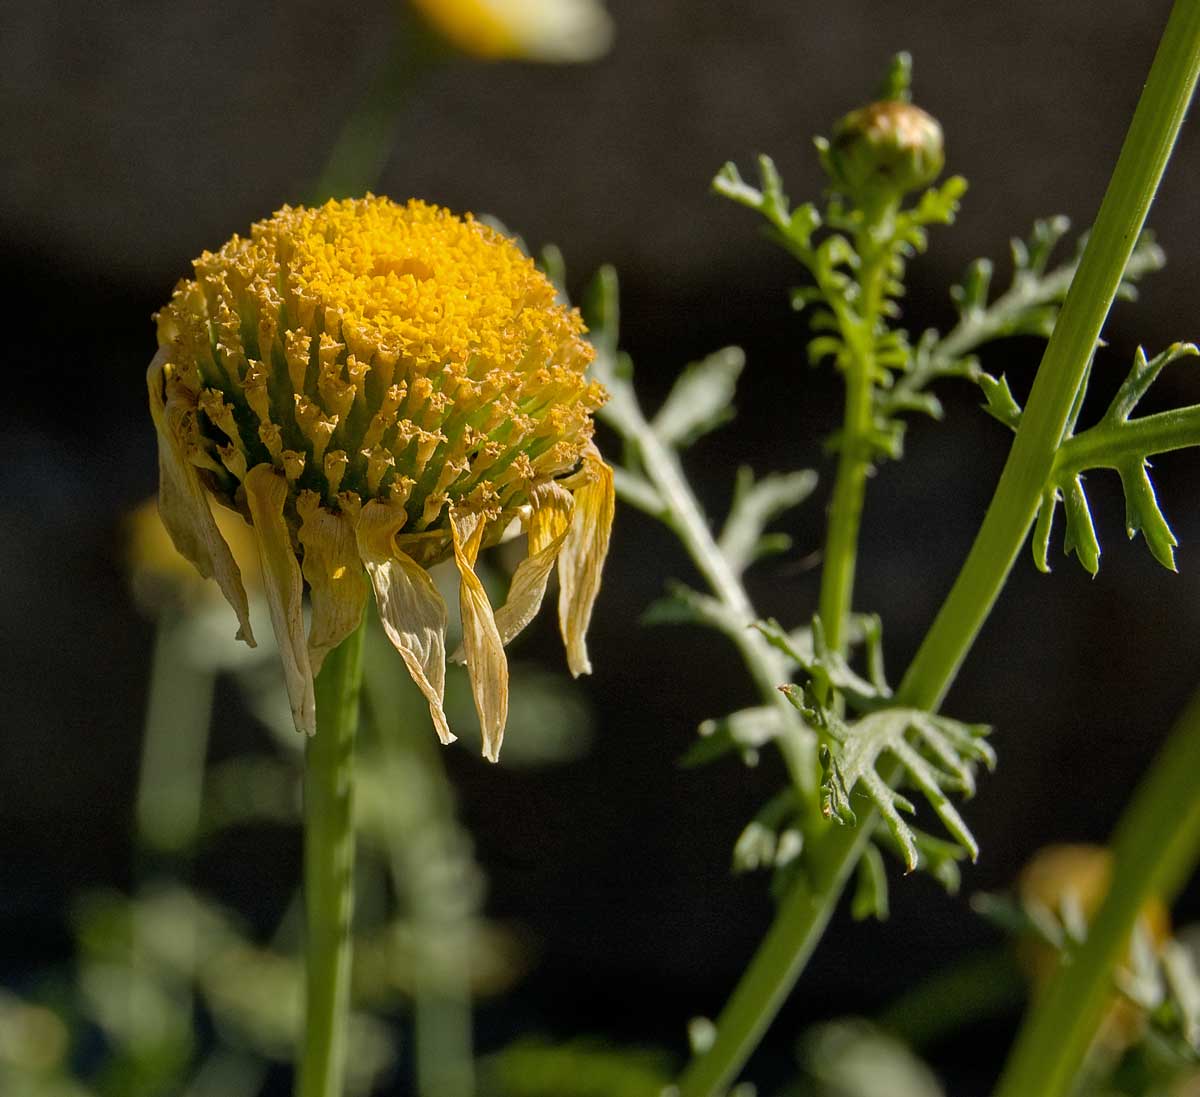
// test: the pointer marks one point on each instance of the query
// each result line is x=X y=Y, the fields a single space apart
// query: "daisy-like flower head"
x=536 y=30
x=376 y=388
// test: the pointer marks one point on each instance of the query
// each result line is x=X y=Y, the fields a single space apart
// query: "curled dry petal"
x=183 y=500
x=486 y=662
x=266 y=493
x=582 y=558
x=412 y=611
x=549 y=522
x=334 y=575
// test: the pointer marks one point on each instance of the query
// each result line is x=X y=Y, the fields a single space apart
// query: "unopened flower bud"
x=885 y=149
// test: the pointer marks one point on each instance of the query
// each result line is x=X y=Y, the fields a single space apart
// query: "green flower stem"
x=174 y=742
x=845 y=511
x=170 y=788
x=361 y=150
x=329 y=871
x=1155 y=848
x=1109 y=445
x=804 y=914
x=434 y=875
x=1131 y=190
x=976 y=988
x=854 y=462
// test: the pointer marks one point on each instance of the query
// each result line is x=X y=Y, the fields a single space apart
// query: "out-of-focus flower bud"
x=1070 y=882
x=883 y=150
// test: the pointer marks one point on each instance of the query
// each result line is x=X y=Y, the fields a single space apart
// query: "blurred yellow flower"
x=536 y=30
x=1071 y=881
x=378 y=387
x=161 y=577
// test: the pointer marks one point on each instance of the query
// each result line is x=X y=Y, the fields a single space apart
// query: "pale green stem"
x=171 y=776
x=1155 y=849
x=362 y=148
x=976 y=988
x=799 y=924
x=329 y=871
x=174 y=742
x=432 y=870
x=683 y=513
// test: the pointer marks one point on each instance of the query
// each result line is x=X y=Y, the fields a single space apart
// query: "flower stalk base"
x=329 y=871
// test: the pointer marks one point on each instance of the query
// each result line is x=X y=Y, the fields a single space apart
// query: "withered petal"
x=484 y=650
x=412 y=611
x=334 y=574
x=581 y=559
x=184 y=507
x=266 y=493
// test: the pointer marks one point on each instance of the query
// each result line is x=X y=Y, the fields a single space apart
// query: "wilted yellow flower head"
x=377 y=388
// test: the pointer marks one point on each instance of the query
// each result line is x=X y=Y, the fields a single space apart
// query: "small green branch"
x=1111 y=446
x=676 y=505
x=1155 y=849
x=329 y=871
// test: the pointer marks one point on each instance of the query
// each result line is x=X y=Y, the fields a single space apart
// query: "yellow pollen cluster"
x=378 y=387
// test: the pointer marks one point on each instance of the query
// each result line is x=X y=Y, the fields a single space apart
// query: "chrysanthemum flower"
x=536 y=30
x=377 y=388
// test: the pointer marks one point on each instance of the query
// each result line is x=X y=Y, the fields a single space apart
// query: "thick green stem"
x=1144 y=155
x=1155 y=849
x=1122 y=214
x=329 y=871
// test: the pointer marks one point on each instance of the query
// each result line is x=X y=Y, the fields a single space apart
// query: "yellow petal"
x=266 y=493
x=411 y=609
x=582 y=558
x=481 y=640
x=183 y=501
x=334 y=575
x=549 y=522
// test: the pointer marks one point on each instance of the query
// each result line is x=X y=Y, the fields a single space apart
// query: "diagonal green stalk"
x=329 y=871
x=805 y=912
x=1127 y=201
x=1155 y=849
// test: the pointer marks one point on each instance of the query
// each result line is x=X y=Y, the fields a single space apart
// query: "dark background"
x=137 y=135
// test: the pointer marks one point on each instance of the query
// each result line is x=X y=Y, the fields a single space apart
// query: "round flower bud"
x=885 y=149
x=376 y=388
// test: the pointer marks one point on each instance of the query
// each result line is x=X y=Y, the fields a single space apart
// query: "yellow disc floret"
x=374 y=386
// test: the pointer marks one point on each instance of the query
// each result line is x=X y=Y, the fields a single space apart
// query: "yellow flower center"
x=370 y=350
